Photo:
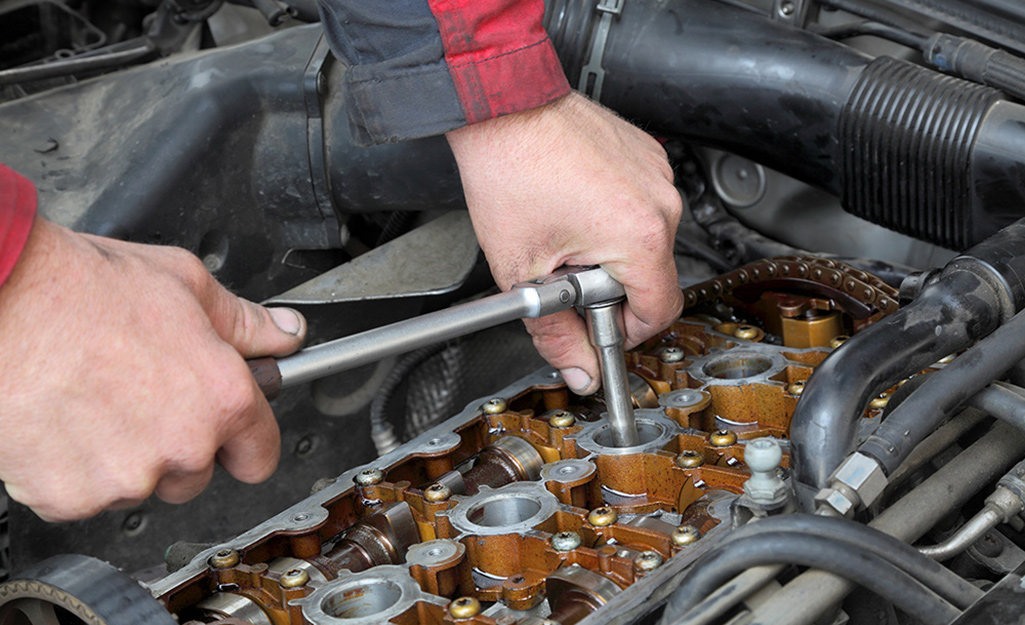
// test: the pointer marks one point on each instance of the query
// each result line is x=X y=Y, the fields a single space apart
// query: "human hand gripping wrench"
x=590 y=289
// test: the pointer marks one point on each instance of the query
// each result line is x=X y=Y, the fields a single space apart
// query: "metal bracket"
x=592 y=76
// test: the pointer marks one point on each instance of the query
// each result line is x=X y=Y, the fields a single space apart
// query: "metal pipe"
x=1003 y=401
x=988 y=518
x=809 y=595
x=604 y=328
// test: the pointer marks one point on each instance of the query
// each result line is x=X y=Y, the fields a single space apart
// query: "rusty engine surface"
x=520 y=509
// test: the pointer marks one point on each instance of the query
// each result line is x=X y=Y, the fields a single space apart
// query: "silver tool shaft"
x=405 y=336
x=570 y=286
x=603 y=326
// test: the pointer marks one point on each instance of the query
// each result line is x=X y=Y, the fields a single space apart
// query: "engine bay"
x=831 y=432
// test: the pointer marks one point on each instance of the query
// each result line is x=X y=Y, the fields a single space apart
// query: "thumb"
x=253 y=330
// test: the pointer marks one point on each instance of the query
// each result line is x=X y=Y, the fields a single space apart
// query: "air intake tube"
x=925 y=154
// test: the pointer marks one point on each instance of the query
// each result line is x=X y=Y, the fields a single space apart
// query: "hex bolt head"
x=464 y=607
x=437 y=492
x=689 y=459
x=562 y=419
x=685 y=535
x=294 y=578
x=838 y=341
x=602 y=517
x=670 y=355
x=224 y=559
x=566 y=541
x=722 y=438
x=880 y=402
x=647 y=561
x=747 y=333
x=495 y=405
x=796 y=388
x=369 y=477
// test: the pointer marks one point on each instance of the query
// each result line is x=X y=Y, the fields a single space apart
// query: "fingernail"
x=287 y=320
x=576 y=378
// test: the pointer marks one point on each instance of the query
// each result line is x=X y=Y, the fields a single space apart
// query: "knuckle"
x=190 y=269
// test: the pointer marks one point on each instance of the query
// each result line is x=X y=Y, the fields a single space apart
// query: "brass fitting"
x=437 y=492
x=464 y=607
x=224 y=559
x=294 y=578
x=562 y=419
x=369 y=477
x=602 y=517
x=722 y=438
x=689 y=459
x=495 y=405
x=685 y=535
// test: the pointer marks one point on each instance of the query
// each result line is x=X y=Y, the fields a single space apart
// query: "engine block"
x=520 y=509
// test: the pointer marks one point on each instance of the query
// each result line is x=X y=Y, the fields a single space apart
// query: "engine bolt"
x=746 y=333
x=685 y=535
x=369 y=477
x=566 y=541
x=670 y=355
x=224 y=559
x=294 y=578
x=647 y=561
x=796 y=388
x=880 y=402
x=722 y=438
x=464 y=607
x=602 y=517
x=562 y=419
x=690 y=459
x=838 y=341
x=495 y=405
x=787 y=9
x=437 y=492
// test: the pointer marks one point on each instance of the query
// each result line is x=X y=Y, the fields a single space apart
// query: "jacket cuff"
x=408 y=104
x=17 y=213
x=499 y=55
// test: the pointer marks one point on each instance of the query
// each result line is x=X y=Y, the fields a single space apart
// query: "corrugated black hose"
x=381 y=430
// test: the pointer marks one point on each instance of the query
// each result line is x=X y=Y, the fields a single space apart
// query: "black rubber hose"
x=933 y=575
x=861 y=567
x=944 y=393
x=970 y=298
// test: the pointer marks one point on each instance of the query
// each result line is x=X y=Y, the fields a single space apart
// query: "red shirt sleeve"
x=499 y=55
x=17 y=212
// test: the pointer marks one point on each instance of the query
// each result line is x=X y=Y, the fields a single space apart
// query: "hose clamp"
x=592 y=76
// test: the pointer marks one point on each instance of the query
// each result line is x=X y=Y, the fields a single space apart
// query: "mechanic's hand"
x=123 y=374
x=570 y=183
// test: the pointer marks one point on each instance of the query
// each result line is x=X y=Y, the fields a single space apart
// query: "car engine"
x=832 y=432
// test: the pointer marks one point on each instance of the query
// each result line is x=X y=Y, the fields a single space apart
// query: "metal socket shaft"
x=606 y=333
x=404 y=336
